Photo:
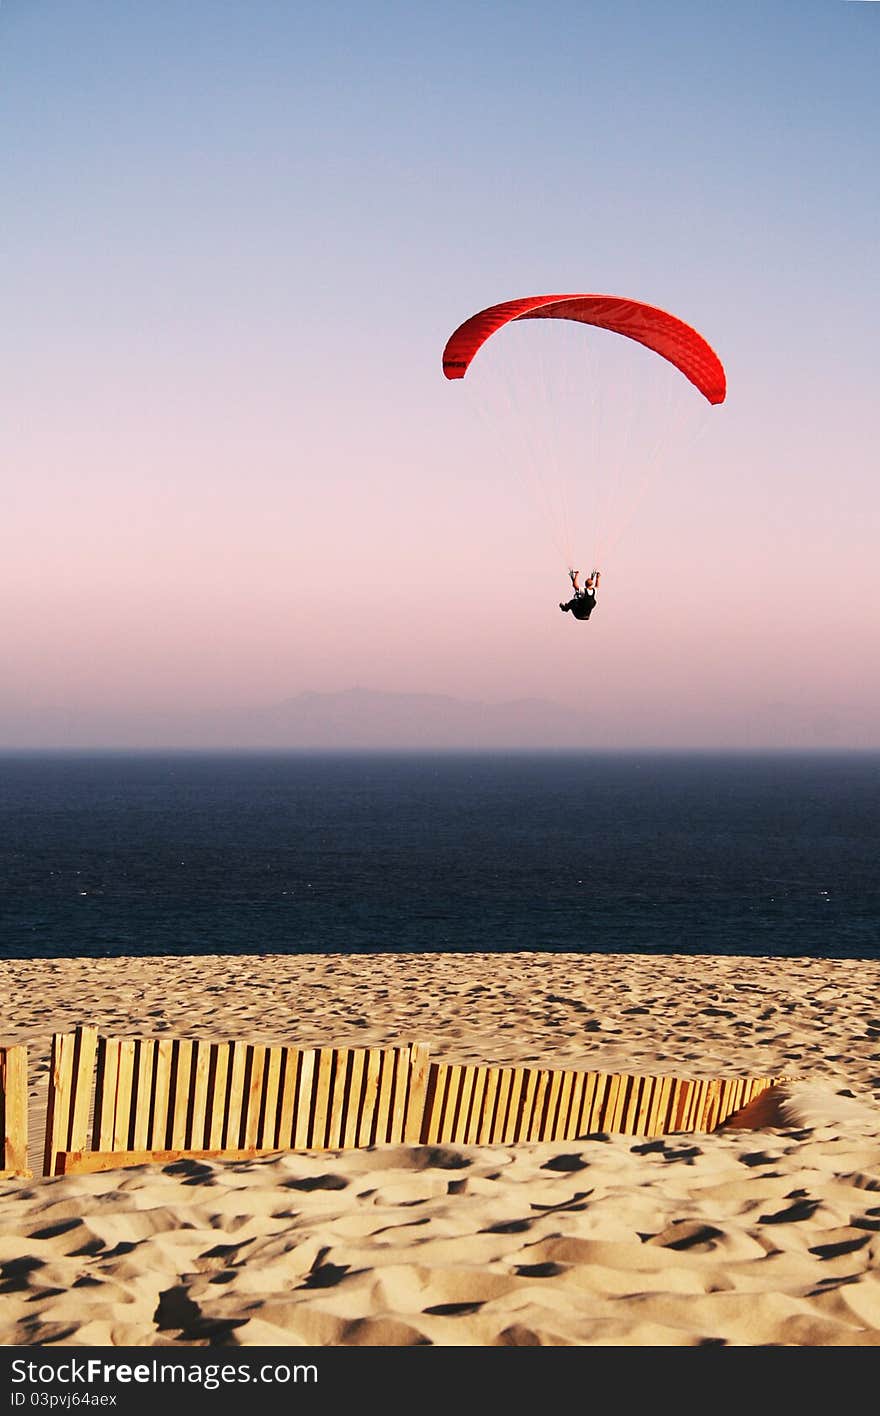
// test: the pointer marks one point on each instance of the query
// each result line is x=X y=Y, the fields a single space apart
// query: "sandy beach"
x=741 y=1237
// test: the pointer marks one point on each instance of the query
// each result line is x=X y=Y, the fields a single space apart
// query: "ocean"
x=728 y=854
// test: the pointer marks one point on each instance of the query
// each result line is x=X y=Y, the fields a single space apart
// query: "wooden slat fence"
x=479 y=1105
x=119 y=1101
x=161 y=1097
x=13 y=1113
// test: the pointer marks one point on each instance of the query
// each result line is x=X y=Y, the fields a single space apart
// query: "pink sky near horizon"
x=234 y=470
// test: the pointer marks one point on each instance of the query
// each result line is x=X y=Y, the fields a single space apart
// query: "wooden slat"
x=721 y=1096
x=619 y=1109
x=734 y=1095
x=667 y=1119
x=475 y=1105
x=740 y=1091
x=639 y=1091
x=702 y=1104
x=198 y=1091
x=587 y=1091
x=678 y=1099
x=369 y=1096
x=180 y=1098
x=597 y=1102
x=419 y=1063
x=354 y=1097
x=554 y=1086
x=458 y=1083
x=383 y=1105
x=711 y=1104
x=538 y=1121
x=501 y=1119
x=434 y=1102
x=640 y=1104
x=656 y=1122
x=124 y=1089
x=603 y=1102
x=643 y=1111
x=575 y=1103
x=106 y=1074
x=160 y=1130
x=143 y=1088
x=83 y=1082
x=617 y=1115
x=14 y=1109
x=694 y=1109
x=466 y=1091
x=693 y=1106
x=557 y=1118
x=303 y=1117
x=269 y=1129
x=472 y=1105
x=397 y=1120
x=89 y=1162
x=659 y=1100
x=506 y=1108
x=253 y=1100
x=289 y=1083
x=321 y=1105
x=724 y=1106
x=451 y=1093
x=734 y=1099
x=727 y=1093
x=488 y=1102
x=339 y=1094
x=528 y=1082
x=526 y=1103
x=627 y=1102
x=238 y=1054
x=561 y=1130
x=215 y=1120
x=608 y=1101
x=708 y=1104
x=512 y=1081
x=681 y=1090
x=518 y=1080
x=540 y=1116
x=70 y=1087
x=594 y=1101
x=569 y=1104
x=616 y=1098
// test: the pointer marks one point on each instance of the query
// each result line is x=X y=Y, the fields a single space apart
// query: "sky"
x=235 y=239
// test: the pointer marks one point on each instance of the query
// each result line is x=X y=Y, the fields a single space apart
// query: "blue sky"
x=235 y=240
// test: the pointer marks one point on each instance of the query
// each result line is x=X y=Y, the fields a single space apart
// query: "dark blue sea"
x=249 y=854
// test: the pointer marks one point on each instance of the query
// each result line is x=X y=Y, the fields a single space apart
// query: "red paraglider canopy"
x=654 y=328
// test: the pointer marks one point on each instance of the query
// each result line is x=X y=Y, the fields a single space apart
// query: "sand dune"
x=744 y=1237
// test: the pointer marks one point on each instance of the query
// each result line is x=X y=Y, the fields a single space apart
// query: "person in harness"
x=583 y=602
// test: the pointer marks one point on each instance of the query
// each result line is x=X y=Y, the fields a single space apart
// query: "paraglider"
x=656 y=330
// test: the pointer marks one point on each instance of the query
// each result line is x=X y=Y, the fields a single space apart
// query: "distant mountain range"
x=356 y=718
